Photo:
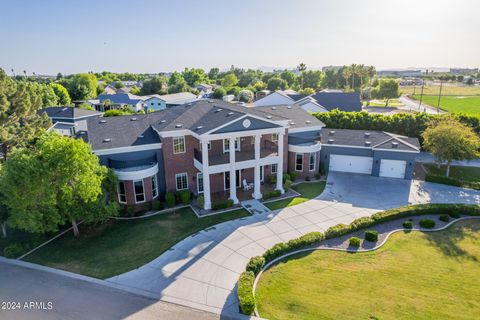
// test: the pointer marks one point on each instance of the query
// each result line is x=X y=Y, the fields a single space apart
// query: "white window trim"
x=276 y=171
x=262 y=173
x=184 y=144
x=154 y=177
x=227 y=150
x=198 y=183
x=176 y=177
x=314 y=161
x=209 y=146
x=118 y=192
x=296 y=156
x=135 y=192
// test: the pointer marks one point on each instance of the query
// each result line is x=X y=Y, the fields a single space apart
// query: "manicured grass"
x=381 y=103
x=457 y=172
x=307 y=190
x=26 y=240
x=118 y=246
x=446 y=89
x=414 y=276
x=455 y=104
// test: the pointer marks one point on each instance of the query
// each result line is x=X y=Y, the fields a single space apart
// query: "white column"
x=206 y=176
x=256 y=180
x=280 y=163
x=233 y=180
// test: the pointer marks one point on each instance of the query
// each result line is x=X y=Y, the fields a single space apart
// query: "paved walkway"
x=254 y=206
x=202 y=270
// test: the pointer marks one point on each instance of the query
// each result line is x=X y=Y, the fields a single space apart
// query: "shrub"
x=200 y=201
x=222 y=204
x=130 y=211
x=293 y=175
x=156 y=205
x=454 y=214
x=271 y=194
x=246 y=299
x=184 y=196
x=170 y=199
x=371 y=235
x=427 y=223
x=286 y=177
x=444 y=217
x=321 y=170
x=280 y=249
x=452 y=181
x=13 y=250
x=272 y=179
x=256 y=264
x=146 y=206
x=287 y=185
x=307 y=178
x=318 y=175
x=407 y=224
x=354 y=242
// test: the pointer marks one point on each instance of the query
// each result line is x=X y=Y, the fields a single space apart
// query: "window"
x=139 y=191
x=152 y=104
x=209 y=145
x=226 y=145
x=261 y=174
x=274 y=168
x=154 y=186
x=313 y=157
x=199 y=182
x=299 y=162
x=122 y=197
x=182 y=181
x=275 y=137
x=72 y=131
x=179 y=144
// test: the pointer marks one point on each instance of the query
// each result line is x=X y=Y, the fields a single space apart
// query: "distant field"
x=381 y=103
x=446 y=90
x=469 y=105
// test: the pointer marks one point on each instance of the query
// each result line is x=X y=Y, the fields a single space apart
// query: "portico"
x=265 y=153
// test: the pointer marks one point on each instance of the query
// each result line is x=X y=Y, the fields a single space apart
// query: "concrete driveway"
x=202 y=270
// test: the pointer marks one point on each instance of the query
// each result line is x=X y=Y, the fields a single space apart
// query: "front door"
x=226 y=176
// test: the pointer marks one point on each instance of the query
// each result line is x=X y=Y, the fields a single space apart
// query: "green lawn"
x=381 y=103
x=414 y=276
x=457 y=172
x=455 y=104
x=119 y=246
x=307 y=190
x=446 y=89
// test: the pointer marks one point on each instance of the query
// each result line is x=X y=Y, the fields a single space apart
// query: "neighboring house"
x=161 y=102
x=119 y=100
x=69 y=120
x=322 y=101
x=210 y=147
x=261 y=94
x=110 y=89
x=204 y=88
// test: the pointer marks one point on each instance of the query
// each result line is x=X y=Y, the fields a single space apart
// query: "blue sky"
x=50 y=36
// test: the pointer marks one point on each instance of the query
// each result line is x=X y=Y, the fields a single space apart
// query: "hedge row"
x=409 y=124
x=255 y=265
x=452 y=181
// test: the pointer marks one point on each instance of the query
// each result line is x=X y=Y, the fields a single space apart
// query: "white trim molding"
x=305 y=149
x=102 y=152
x=136 y=174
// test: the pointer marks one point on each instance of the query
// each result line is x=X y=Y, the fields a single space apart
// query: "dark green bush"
x=444 y=217
x=256 y=264
x=146 y=206
x=452 y=181
x=318 y=176
x=286 y=177
x=454 y=214
x=271 y=194
x=321 y=170
x=200 y=201
x=272 y=179
x=246 y=299
x=293 y=175
x=309 y=239
x=427 y=223
x=287 y=185
x=170 y=199
x=14 y=250
x=354 y=242
x=222 y=204
x=307 y=178
x=371 y=235
x=130 y=211
x=184 y=196
x=407 y=224
x=156 y=205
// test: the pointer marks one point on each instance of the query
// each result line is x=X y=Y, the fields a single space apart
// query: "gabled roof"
x=345 y=101
x=120 y=98
x=68 y=112
x=177 y=97
x=377 y=139
x=297 y=96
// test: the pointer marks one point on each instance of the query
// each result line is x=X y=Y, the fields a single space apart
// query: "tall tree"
x=194 y=76
x=62 y=94
x=68 y=185
x=448 y=139
x=155 y=85
x=213 y=73
x=301 y=68
x=229 y=80
x=288 y=76
x=277 y=84
x=83 y=86
x=388 y=89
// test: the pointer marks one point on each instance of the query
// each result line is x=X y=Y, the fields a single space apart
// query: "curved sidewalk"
x=201 y=271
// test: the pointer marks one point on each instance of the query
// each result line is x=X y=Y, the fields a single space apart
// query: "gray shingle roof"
x=377 y=139
x=68 y=112
x=120 y=98
x=345 y=101
x=199 y=117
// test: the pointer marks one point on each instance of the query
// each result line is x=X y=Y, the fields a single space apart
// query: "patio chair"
x=246 y=186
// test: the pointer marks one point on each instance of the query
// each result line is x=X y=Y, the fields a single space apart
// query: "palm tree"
x=13 y=72
x=354 y=69
x=301 y=68
x=361 y=73
x=347 y=73
x=371 y=73
x=25 y=73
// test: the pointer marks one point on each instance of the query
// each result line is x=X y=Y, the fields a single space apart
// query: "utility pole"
x=421 y=97
x=439 y=95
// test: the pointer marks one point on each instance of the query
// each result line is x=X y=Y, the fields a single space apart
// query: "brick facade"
x=306 y=168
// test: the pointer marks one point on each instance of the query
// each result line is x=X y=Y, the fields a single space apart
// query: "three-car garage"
x=348 y=163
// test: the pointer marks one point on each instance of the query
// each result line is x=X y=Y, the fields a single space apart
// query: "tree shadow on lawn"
x=448 y=241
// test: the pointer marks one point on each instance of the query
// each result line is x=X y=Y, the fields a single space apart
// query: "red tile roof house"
x=203 y=145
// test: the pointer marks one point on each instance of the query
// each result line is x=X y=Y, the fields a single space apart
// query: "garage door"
x=393 y=168
x=353 y=164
